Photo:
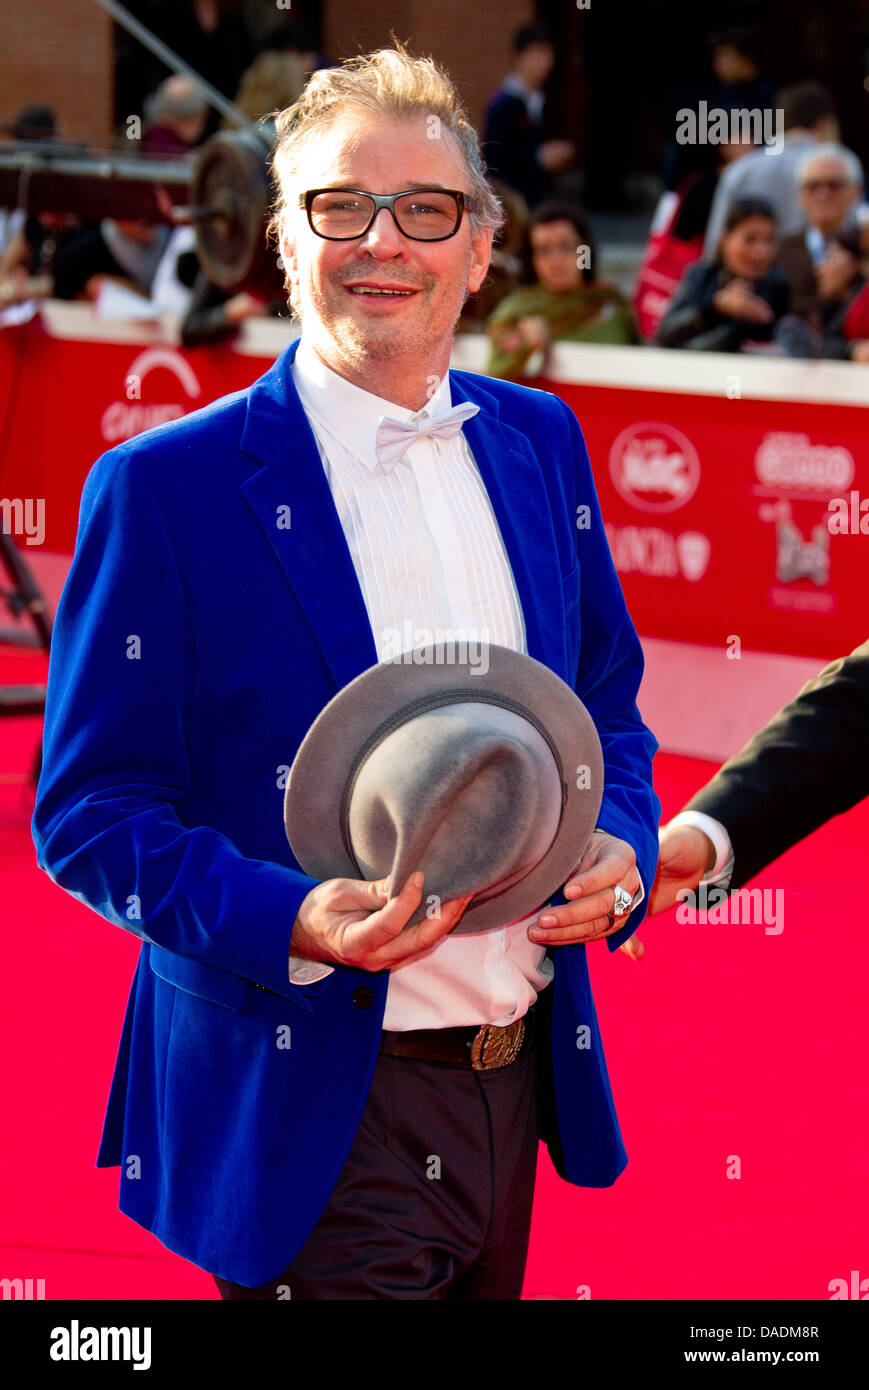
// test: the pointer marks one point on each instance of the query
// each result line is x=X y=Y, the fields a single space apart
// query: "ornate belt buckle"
x=495 y=1047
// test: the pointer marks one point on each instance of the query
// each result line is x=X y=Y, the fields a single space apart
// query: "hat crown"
x=469 y=792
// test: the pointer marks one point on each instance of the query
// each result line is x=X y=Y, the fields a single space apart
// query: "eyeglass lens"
x=423 y=216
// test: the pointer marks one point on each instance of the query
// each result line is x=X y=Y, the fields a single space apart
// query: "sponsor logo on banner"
x=693 y=549
x=795 y=471
x=658 y=554
x=792 y=463
x=654 y=467
x=125 y=418
x=797 y=558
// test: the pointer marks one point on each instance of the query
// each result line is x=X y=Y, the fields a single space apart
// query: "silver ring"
x=621 y=902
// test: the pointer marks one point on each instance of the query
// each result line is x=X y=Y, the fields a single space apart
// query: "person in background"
x=27 y=260
x=697 y=194
x=126 y=251
x=28 y=240
x=214 y=315
x=36 y=123
x=506 y=265
x=513 y=145
x=561 y=299
x=738 y=83
x=275 y=79
x=296 y=41
x=735 y=300
x=211 y=36
x=741 y=84
x=808 y=118
x=823 y=263
x=676 y=236
x=177 y=117
x=17 y=226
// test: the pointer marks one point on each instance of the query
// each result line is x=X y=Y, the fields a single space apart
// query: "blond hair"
x=388 y=82
x=272 y=80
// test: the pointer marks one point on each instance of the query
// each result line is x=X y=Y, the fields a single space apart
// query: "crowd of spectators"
x=754 y=247
x=758 y=246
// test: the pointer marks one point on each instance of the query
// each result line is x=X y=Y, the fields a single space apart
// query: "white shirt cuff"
x=723 y=866
x=308 y=972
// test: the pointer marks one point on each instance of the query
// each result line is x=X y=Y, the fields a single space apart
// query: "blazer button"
x=363 y=997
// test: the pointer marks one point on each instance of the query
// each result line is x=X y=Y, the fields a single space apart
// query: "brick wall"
x=472 y=40
x=58 y=53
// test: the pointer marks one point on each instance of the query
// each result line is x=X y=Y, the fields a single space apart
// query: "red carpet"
x=723 y=1041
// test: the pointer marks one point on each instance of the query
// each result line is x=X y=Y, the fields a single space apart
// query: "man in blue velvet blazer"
x=212 y=609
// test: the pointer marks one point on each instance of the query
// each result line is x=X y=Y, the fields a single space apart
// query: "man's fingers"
x=360 y=893
x=587 y=903
x=385 y=932
x=426 y=933
x=578 y=913
x=569 y=931
x=389 y=918
x=612 y=868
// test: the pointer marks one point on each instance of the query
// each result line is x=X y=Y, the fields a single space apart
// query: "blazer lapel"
x=513 y=479
x=292 y=500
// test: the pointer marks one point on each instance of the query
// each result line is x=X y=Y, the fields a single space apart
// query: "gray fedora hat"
x=489 y=781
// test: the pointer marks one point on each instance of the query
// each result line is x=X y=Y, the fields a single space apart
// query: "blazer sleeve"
x=607 y=682
x=115 y=760
x=809 y=763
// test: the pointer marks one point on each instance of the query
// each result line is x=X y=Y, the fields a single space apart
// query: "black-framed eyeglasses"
x=423 y=214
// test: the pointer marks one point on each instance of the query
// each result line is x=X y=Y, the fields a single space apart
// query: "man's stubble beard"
x=356 y=344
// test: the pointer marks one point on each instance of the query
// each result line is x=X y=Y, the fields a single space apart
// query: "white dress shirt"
x=431 y=566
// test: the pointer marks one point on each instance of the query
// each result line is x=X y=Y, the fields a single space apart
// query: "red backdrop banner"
x=718 y=515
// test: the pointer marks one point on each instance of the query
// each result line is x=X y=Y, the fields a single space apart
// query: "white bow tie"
x=395 y=436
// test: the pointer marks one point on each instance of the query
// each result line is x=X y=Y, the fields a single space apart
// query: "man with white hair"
x=305 y=1101
x=808 y=115
x=177 y=117
x=822 y=262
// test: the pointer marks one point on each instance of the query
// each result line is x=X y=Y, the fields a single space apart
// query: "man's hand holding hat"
x=353 y=922
x=485 y=779
x=607 y=865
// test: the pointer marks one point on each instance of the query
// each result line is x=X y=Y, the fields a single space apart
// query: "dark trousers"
x=434 y=1201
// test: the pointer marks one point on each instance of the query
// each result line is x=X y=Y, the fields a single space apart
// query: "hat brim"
x=319 y=773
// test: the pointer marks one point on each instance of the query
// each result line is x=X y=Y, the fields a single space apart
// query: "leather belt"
x=479 y=1049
